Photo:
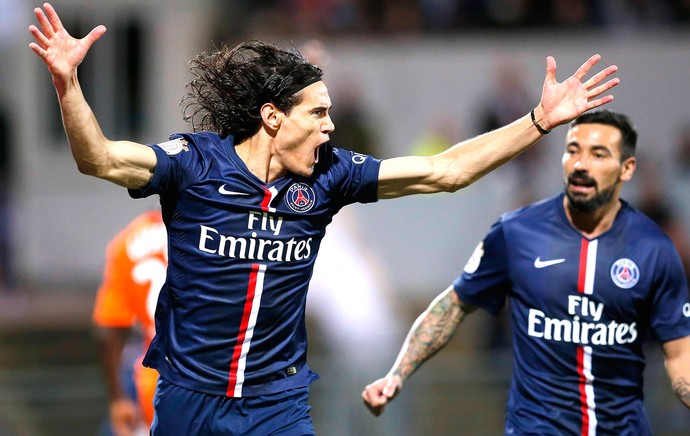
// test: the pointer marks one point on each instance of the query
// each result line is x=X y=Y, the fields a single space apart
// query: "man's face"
x=592 y=170
x=304 y=129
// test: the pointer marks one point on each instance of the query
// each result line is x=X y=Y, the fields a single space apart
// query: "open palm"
x=61 y=52
x=566 y=100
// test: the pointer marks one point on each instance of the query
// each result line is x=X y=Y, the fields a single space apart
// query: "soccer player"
x=588 y=278
x=246 y=200
x=134 y=272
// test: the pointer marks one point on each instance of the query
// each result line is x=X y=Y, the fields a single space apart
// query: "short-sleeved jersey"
x=135 y=264
x=231 y=316
x=580 y=311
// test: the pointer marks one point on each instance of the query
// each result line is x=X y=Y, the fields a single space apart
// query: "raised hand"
x=564 y=101
x=61 y=52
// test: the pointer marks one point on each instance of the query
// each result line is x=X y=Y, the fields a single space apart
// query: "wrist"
x=538 y=121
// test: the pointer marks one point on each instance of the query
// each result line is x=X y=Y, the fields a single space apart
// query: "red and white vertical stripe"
x=244 y=337
x=269 y=195
x=252 y=303
x=585 y=285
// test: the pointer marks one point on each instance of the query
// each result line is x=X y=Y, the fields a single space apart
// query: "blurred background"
x=405 y=76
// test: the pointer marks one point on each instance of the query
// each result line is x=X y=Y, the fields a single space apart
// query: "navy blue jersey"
x=230 y=318
x=580 y=312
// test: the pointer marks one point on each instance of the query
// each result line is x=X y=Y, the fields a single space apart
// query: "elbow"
x=455 y=178
x=87 y=168
x=455 y=185
x=92 y=169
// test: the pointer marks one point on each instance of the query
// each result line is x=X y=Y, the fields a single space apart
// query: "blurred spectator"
x=354 y=128
x=507 y=101
x=358 y=325
x=682 y=149
x=327 y=18
x=657 y=202
x=442 y=133
x=6 y=279
x=134 y=272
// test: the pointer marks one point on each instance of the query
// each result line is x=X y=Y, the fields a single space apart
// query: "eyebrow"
x=321 y=106
x=593 y=147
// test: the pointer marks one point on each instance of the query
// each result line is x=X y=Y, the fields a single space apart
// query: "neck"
x=257 y=154
x=593 y=224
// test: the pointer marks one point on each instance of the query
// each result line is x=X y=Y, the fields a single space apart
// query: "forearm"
x=679 y=372
x=470 y=160
x=111 y=342
x=677 y=364
x=460 y=165
x=125 y=163
x=86 y=140
x=430 y=333
x=681 y=386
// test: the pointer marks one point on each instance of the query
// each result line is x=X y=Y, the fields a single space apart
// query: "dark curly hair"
x=231 y=84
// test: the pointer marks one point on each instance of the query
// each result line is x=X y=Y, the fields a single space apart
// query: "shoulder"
x=532 y=212
x=642 y=226
x=338 y=162
x=179 y=144
x=330 y=156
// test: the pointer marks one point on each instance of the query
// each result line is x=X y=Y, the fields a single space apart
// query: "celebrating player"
x=588 y=277
x=246 y=200
x=135 y=264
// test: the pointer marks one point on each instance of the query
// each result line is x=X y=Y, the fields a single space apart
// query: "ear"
x=270 y=115
x=628 y=168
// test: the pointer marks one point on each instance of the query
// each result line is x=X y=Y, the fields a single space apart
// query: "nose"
x=581 y=164
x=328 y=125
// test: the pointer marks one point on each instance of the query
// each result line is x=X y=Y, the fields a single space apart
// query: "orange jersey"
x=135 y=266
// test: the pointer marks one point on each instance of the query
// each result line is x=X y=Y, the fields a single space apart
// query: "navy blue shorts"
x=179 y=411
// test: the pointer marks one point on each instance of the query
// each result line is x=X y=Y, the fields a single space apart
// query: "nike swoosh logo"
x=538 y=263
x=224 y=191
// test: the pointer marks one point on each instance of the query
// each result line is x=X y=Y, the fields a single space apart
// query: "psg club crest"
x=625 y=273
x=300 y=197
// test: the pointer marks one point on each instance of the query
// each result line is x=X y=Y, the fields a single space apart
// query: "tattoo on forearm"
x=682 y=389
x=430 y=334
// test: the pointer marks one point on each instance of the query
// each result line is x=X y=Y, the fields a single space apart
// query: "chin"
x=307 y=172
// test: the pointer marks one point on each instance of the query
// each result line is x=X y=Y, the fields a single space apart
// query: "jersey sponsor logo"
x=260 y=244
x=300 y=197
x=579 y=331
x=253 y=248
x=584 y=327
x=224 y=191
x=538 y=263
x=625 y=273
x=174 y=146
x=474 y=260
x=686 y=310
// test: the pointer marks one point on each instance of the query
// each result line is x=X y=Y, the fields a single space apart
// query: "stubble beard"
x=590 y=204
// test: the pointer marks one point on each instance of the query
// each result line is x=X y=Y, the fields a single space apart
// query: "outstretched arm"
x=430 y=332
x=126 y=163
x=466 y=162
x=677 y=362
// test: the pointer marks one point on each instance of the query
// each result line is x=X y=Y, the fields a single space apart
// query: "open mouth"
x=316 y=154
x=581 y=183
